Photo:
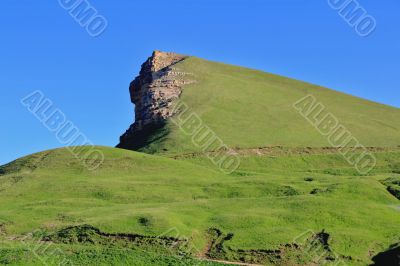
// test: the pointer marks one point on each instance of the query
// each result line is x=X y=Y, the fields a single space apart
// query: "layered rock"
x=153 y=92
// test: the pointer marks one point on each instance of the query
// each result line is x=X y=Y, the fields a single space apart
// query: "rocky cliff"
x=152 y=92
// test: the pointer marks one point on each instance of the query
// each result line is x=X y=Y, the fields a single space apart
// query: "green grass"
x=265 y=204
x=81 y=255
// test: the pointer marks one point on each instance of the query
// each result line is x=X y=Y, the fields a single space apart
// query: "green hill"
x=265 y=205
x=250 y=109
x=292 y=199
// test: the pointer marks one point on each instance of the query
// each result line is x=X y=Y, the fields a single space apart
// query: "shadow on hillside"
x=139 y=139
x=389 y=257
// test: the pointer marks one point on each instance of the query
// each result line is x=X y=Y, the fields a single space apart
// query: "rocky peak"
x=152 y=92
x=151 y=70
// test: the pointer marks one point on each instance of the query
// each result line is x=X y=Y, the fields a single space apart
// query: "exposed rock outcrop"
x=153 y=92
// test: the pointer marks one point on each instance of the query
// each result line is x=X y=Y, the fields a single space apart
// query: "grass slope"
x=175 y=208
x=248 y=108
x=265 y=204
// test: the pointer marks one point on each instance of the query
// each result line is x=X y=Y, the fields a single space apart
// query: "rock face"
x=152 y=92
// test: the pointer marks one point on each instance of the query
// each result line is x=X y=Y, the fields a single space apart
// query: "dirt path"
x=230 y=262
x=203 y=257
x=284 y=151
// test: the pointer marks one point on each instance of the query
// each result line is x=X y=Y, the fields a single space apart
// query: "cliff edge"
x=152 y=92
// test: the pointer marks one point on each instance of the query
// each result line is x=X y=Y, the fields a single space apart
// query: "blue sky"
x=43 y=48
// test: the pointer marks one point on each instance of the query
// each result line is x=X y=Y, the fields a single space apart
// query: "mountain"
x=230 y=166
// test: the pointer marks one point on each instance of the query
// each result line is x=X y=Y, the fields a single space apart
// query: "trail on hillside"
x=230 y=262
x=284 y=151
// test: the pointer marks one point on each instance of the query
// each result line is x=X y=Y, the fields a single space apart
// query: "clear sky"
x=43 y=48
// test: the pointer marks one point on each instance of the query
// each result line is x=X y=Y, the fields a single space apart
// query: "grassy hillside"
x=293 y=200
x=248 y=108
x=265 y=205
